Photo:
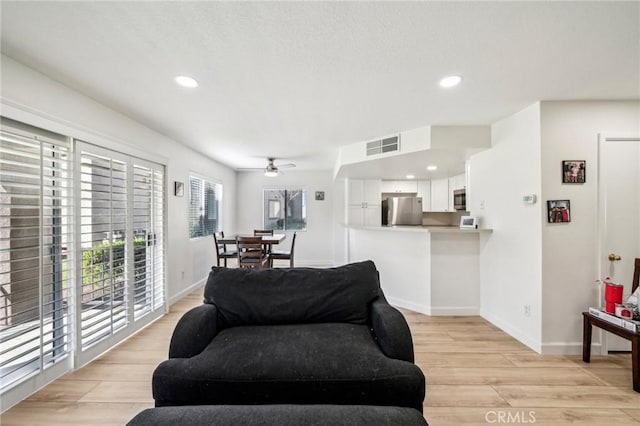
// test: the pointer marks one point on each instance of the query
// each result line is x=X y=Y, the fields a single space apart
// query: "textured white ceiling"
x=298 y=80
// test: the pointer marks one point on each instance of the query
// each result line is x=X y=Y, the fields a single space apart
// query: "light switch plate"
x=529 y=199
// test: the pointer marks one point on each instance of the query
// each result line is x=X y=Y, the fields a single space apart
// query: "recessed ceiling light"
x=450 y=81
x=432 y=168
x=185 y=81
x=410 y=177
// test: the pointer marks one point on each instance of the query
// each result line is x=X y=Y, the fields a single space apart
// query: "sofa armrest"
x=195 y=330
x=391 y=331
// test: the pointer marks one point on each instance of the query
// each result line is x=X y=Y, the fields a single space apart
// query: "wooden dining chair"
x=264 y=233
x=250 y=253
x=284 y=255
x=221 y=250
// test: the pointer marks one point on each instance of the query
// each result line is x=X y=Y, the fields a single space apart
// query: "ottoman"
x=280 y=415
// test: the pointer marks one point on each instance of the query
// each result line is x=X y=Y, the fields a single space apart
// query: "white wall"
x=527 y=261
x=34 y=98
x=570 y=266
x=405 y=279
x=314 y=247
x=455 y=274
x=340 y=231
x=510 y=256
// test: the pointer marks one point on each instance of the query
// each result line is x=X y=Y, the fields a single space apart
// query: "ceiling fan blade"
x=270 y=165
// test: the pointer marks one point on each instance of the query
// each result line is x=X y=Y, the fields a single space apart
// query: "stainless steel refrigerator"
x=402 y=211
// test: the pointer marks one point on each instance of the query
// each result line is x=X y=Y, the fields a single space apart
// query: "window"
x=35 y=251
x=204 y=207
x=285 y=209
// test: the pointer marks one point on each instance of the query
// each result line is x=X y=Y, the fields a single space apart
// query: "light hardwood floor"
x=476 y=375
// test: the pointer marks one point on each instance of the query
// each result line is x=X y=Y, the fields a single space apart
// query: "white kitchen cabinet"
x=402 y=186
x=424 y=192
x=365 y=215
x=364 y=191
x=459 y=182
x=440 y=195
x=364 y=202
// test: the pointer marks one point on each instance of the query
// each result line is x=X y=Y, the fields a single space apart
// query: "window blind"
x=103 y=223
x=204 y=207
x=148 y=257
x=158 y=246
x=36 y=214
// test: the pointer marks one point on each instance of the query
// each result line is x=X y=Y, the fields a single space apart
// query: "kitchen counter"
x=424 y=228
x=429 y=269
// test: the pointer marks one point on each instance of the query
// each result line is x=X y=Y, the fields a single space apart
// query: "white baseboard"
x=575 y=348
x=176 y=297
x=462 y=311
x=412 y=306
x=434 y=311
x=310 y=263
x=512 y=331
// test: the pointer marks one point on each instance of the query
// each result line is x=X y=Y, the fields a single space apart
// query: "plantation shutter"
x=103 y=222
x=159 y=298
x=36 y=215
x=148 y=263
x=121 y=244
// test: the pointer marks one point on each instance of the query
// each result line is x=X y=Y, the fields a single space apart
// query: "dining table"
x=268 y=240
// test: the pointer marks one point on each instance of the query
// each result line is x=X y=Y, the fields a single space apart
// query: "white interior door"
x=619 y=193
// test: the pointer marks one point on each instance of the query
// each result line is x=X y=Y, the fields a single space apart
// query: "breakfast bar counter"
x=433 y=270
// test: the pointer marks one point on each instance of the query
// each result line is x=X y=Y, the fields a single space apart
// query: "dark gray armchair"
x=291 y=336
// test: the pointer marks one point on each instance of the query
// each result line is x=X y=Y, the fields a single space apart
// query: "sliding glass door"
x=81 y=253
x=121 y=275
x=35 y=253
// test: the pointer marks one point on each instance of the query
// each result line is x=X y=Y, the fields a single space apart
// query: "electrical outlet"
x=527 y=310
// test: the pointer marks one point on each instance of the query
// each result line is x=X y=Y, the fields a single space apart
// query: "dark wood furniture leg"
x=633 y=336
x=586 y=339
x=635 y=361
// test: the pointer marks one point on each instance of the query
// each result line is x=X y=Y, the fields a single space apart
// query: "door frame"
x=601 y=215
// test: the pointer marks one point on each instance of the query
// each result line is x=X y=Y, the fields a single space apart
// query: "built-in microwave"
x=460 y=199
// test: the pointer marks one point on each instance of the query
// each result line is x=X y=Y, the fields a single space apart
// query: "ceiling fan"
x=272 y=170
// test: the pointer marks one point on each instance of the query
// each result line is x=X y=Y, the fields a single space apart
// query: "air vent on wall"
x=383 y=145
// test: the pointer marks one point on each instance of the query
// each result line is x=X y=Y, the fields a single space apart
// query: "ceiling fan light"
x=271 y=172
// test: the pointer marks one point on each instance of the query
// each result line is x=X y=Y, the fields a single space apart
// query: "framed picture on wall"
x=574 y=171
x=178 y=189
x=558 y=211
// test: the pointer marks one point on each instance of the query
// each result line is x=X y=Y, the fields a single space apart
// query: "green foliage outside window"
x=100 y=270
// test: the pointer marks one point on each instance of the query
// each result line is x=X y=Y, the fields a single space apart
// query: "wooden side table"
x=591 y=320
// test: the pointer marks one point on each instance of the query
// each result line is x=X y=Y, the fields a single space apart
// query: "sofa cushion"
x=294 y=364
x=296 y=295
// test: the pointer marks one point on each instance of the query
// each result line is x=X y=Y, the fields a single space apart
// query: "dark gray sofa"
x=291 y=336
